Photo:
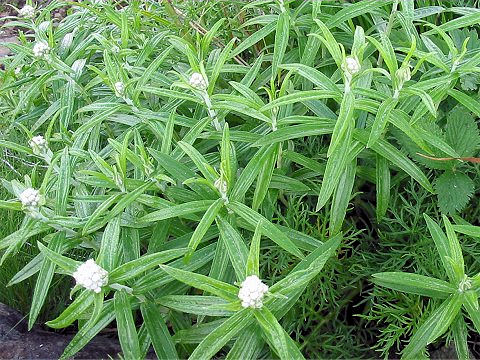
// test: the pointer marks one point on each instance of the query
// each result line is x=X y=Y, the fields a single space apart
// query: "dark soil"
x=18 y=343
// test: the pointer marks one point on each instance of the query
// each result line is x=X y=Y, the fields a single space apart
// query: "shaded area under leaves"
x=16 y=342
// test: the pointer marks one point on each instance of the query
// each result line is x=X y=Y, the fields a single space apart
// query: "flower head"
x=91 y=276
x=351 y=65
x=252 y=291
x=27 y=12
x=41 y=49
x=198 y=82
x=30 y=199
x=39 y=145
x=119 y=89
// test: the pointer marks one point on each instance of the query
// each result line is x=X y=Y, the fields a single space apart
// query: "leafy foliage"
x=186 y=150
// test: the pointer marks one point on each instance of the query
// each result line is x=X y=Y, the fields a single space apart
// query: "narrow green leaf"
x=127 y=333
x=268 y=229
x=469 y=102
x=273 y=331
x=74 y=311
x=460 y=335
x=108 y=255
x=381 y=119
x=414 y=284
x=138 y=266
x=436 y=324
x=202 y=282
x=158 y=331
x=88 y=332
x=235 y=245
x=442 y=245
x=341 y=198
x=202 y=227
x=44 y=280
x=295 y=132
x=67 y=264
x=254 y=38
x=335 y=167
x=180 y=210
x=253 y=260
x=389 y=152
x=198 y=305
x=382 y=175
x=281 y=41
x=217 y=338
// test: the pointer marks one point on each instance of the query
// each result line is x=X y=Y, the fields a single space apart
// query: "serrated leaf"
x=454 y=190
x=462 y=131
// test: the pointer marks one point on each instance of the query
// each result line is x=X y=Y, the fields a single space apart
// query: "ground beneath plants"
x=17 y=343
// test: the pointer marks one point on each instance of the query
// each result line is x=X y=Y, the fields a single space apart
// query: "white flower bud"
x=351 y=65
x=41 y=49
x=465 y=284
x=91 y=276
x=119 y=89
x=198 y=82
x=67 y=41
x=27 y=12
x=44 y=25
x=252 y=291
x=30 y=199
x=222 y=187
x=18 y=70
x=39 y=145
x=115 y=49
x=404 y=74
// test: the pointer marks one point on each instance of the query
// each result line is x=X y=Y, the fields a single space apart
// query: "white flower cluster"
x=252 y=291
x=351 y=65
x=27 y=12
x=30 y=199
x=119 y=89
x=41 y=49
x=39 y=145
x=91 y=276
x=198 y=82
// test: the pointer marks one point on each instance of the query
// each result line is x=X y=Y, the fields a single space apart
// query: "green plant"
x=459 y=292
x=163 y=134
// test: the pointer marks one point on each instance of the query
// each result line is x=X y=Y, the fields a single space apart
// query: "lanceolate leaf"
x=281 y=40
x=415 y=284
x=433 y=327
x=158 y=331
x=127 y=333
x=44 y=280
x=269 y=229
x=202 y=227
x=219 y=288
x=215 y=340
